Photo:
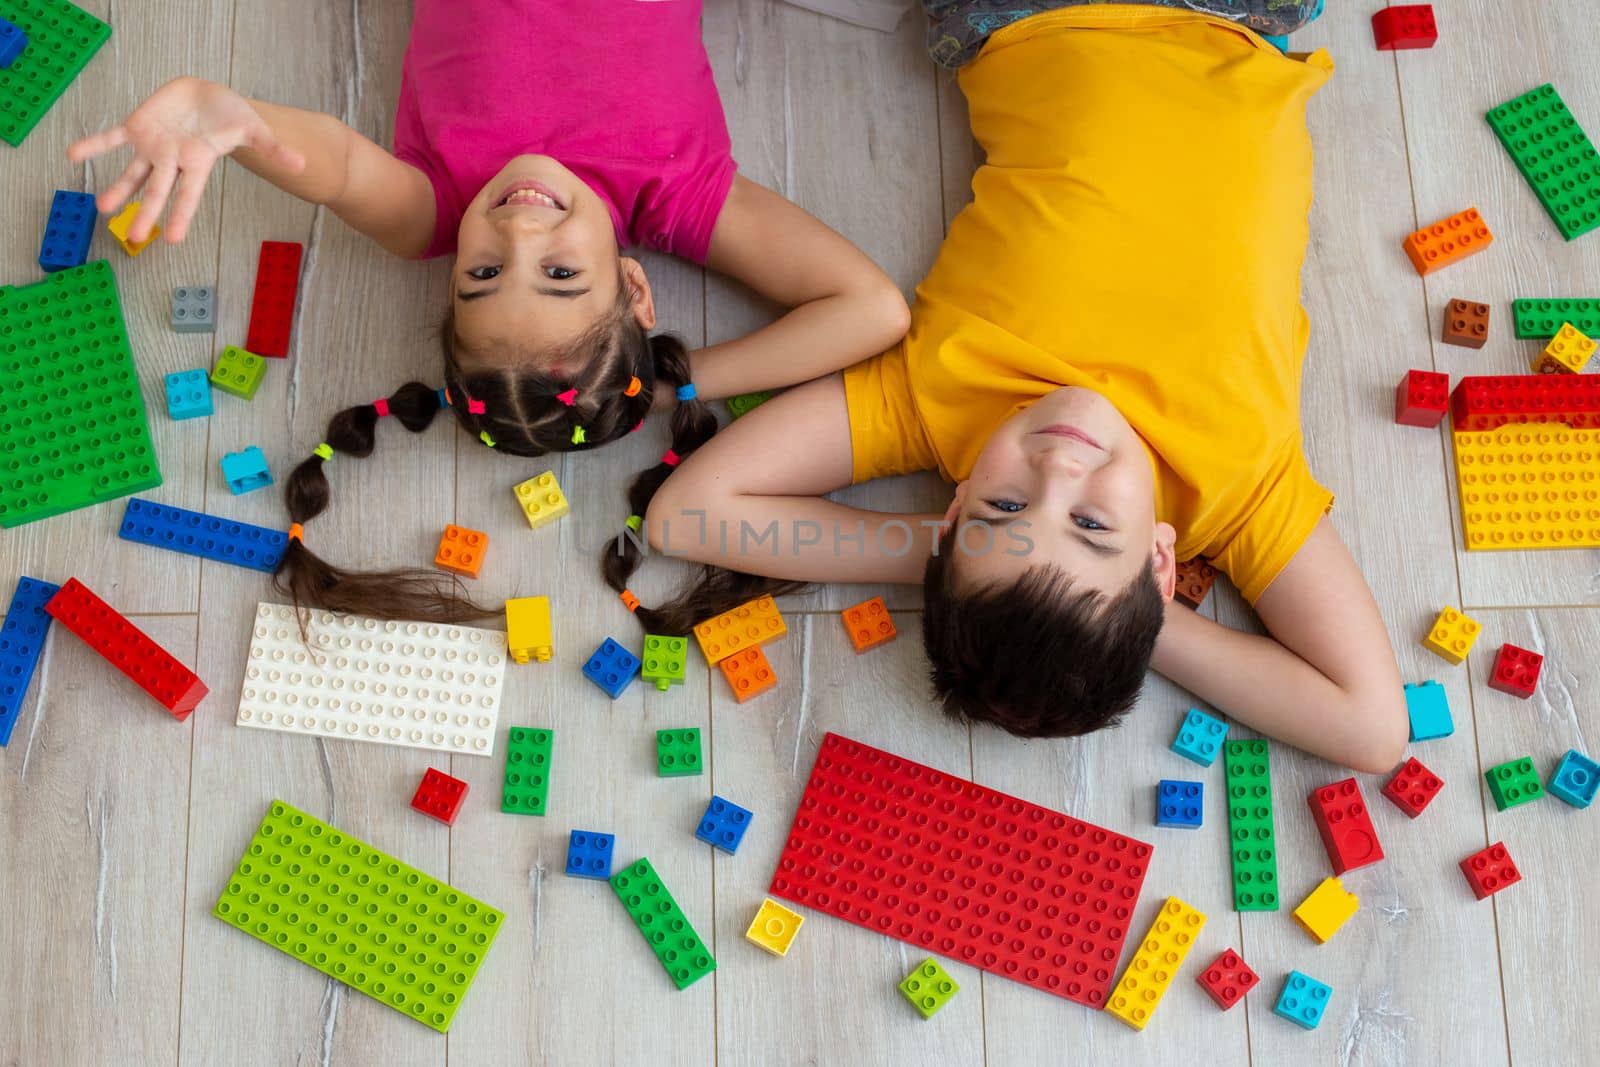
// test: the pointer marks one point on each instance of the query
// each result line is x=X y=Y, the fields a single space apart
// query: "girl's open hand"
x=180 y=132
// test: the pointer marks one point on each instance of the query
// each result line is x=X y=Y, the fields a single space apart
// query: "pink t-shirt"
x=619 y=91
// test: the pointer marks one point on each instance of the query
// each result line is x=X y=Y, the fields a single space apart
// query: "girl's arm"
x=1325 y=681
x=189 y=124
x=843 y=308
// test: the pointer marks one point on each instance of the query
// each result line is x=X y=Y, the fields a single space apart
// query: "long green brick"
x=359 y=915
x=62 y=38
x=527 y=786
x=1542 y=319
x=1554 y=155
x=1251 y=844
x=73 y=430
x=662 y=923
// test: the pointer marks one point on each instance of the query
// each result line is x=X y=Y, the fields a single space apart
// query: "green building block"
x=1513 y=782
x=1250 y=837
x=664 y=661
x=929 y=988
x=663 y=924
x=62 y=38
x=747 y=402
x=1542 y=319
x=239 y=372
x=359 y=915
x=527 y=771
x=678 y=753
x=73 y=430
x=1554 y=155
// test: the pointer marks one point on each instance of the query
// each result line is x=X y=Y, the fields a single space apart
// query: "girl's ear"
x=640 y=299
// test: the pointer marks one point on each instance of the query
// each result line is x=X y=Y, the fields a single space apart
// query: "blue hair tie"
x=444 y=398
x=686 y=391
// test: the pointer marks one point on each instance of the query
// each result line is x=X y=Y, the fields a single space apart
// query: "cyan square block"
x=188 y=394
x=68 y=231
x=1429 y=710
x=1180 y=804
x=246 y=471
x=1200 y=737
x=723 y=825
x=589 y=855
x=194 y=309
x=612 y=668
x=1575 y=779
x=1303 y=1000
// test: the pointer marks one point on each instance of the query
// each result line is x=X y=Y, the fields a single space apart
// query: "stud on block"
x=1252 y=841
x=1156 y=963
x=527 y=784
x=127 y=648
x=1404 y=26
x=461 y=550
x=1327 y=909
x=1228 y=979
x=238 y=372
x=188 y=395
x=1413 y=788
x=272 y=304
x=1490 y=870
x=528 y=629
x=1452 y=635
x=869 y=624
x=665 y=662
x=1303 y=1000
x=61 y=38
x=1567 y=353
x=748 y=674
x=1428 y=708
x=774 y=927
x=1556 y=157
x=745 y=626
x=440 y=796
x=21 y=641
x=194 y=309
x=1194 y=581
x=68 y=231
x=245 y=471
x=589 y=855
x=612 y=668
x=1200 y=737
x=678 y=753
x=1466 y=324
x=1180 y=804
x=1575 y=779
x=1421 y=399
x=540 y=499
x=1513 y=783
x=929 y=988
x=1346 y=829
x=119 y=225
x=1516 y=671
x=1448 y=241
x=724 y=824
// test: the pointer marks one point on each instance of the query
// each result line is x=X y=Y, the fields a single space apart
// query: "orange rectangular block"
x=748 y=673
x=746 y=626
x=1449 y=241
x=869 y=624
x=462 y=550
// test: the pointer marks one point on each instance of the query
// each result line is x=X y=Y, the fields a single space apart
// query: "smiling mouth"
x=1072 y=433
x=529 y=194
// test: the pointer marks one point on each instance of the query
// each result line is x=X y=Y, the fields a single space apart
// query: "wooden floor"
x=118 y=827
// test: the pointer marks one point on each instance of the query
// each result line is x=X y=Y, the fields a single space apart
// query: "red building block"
x=1422 y=398
x=1228 y=979
x=1413 y=787
x=1448 y=241
x=1404 y=26
x=440 y=796
x=272 y=309
x=748 y=673
x=1490 y=401
x=1346 y=828
x=1516 y=671
x=1490 y=871
x=127 y=648
x=967 y=872
x=1195 y=577
x=1466 y=324
x=869 y=624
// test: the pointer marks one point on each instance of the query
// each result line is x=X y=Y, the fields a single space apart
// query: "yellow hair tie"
x=297 y=532
x=323 y=450
x=483 y=435
x=634 y=522
x=577 y=435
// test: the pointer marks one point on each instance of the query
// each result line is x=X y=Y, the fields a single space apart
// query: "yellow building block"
x=1566 y=353
x=746 y=626
x=1156 y=963
x=528 y=628
x=118 y=225
x=1329 y=907
x=774 y=927
x=541 y=499
x=1452 y=635
x=1533 y=485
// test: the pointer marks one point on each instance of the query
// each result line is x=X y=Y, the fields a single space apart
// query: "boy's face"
x=1065 y=481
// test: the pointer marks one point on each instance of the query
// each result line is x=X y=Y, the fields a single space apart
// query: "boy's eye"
x=1010 y=507
x=1086 y=523
x=559 y=274
x=483 y=274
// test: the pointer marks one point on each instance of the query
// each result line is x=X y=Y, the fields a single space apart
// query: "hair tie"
x=634 y=385
x=629 y=601
x=577 y=435
x=634 y=522
x=637 y=426
x=686 y=391
x=381 y=406
x=297 y=532
x=569 y=397
x=483 y=435
x=475 y=407
x=444 y=397
x=324 y=451
x=670 y=458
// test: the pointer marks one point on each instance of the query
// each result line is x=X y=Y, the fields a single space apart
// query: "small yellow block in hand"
x=119 y=223
x=1452 y=635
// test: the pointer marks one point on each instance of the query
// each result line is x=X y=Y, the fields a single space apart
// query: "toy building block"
x=1228 y=979
x=245 y=471
x=1428 y=708
x=68 y=232
x=1404 y=26
x=678 y=753
x=1200 y=737
x=1303 y=1000
x=748 y=673
x=903 y=815
x=194 y=309
x=272 y=306
x=1522 y=487
x=527 y=785
x=1413 y=787
x=145 y=522
x=746 y=626
x=1452 y=635
x=747 y=402
x=1448 y=241
x=1539 y=319
x=12 y=42
x=929 y=988
x=1327 y=909
x=612 y=667
x=238 y=372
x=1516 y=671
x=122 y=221
x=188 y=395
x=1490 y=871
x=61 y=39
x=1567 y=353
x=869 y=624
x=1421 y=399
x=540 y=499
x=1574 y=781
x=1252 y=845
x=413 y=684
x=461 y=550
x=21 y=641
x=1466 y=324
x=528 y=629
x=440 y=796
x=285 y=887
x=589 y=855
x=723 y=825
x=1344 y=825
x=1180 y=804
x=774 y=927
x=1195 y=578
x=1489 y=402
x=1554 y=155
x=1156 y=963
x=127 y=648
x=1513 y=782
x=665 y=662
x=663 y=924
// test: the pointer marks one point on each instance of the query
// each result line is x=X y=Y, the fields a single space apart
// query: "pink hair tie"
x=670 y=458
x=475 y=407
x=637 y=426
x=569 y=397
x=382 y=407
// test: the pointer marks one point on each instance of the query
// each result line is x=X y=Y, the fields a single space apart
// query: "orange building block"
x=1194 y=581
x=462 y=550
x=1450 y=241
x=1529 y=485
x=748 y=673
x=869 y=624
x=746 y=626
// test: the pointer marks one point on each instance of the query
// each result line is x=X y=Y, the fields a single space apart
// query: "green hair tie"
x=483 y=435
x=577 y=436
x=323 y=451
x=634 y=522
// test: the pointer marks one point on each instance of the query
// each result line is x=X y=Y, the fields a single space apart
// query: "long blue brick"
x=21 y=641
x=67 y=232
x=197 y=534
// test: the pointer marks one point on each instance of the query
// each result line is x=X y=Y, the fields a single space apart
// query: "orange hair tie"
x=297 y=532
x=634 y=385
x=629 y=601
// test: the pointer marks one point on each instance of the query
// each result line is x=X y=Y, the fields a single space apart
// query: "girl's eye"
x=1086 y=523
x=1010 y=507
x=559 y=274
x=483 y=274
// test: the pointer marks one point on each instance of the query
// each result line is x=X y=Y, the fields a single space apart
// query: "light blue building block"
x=1180 y=804
x=1200 y=737
x=1575 y=779
x=1429 y=710
x=246 y=471
x=188 y=394
x=1303 y=1000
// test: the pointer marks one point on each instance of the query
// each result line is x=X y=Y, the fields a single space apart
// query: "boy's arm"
x=1325 y=680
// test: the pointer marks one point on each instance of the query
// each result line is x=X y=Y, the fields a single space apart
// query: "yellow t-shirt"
x=1138 y=228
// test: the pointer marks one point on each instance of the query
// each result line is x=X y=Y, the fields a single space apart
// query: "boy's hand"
x=180 y=132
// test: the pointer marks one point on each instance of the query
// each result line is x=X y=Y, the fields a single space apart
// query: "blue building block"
x=188 y=394
x=68 y=231
x=1429 y=711
x=194 y=534
x=1200 y=737
x=12 y=42
x=21 y=641
x=589 y=855
x=1180 y=804
x=1575 y=779
x=194 y=309
x=1303 y=1000
x=612 y=668
x=723 y=825
x=245 y=471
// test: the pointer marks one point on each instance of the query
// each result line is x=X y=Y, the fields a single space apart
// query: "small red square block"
x=440 y=796
x=1228 y=979
x=1346 y=828
x=1490 y=871
x=1404 y=26
x=1422 y=398
x=1516 y=671
x=461 y=550
x=1413 y=787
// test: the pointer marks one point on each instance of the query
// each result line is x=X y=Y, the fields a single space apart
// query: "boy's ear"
x=1165 y=560
x=640 y=298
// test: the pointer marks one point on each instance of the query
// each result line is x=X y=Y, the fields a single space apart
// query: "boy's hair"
x=1037 y=657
